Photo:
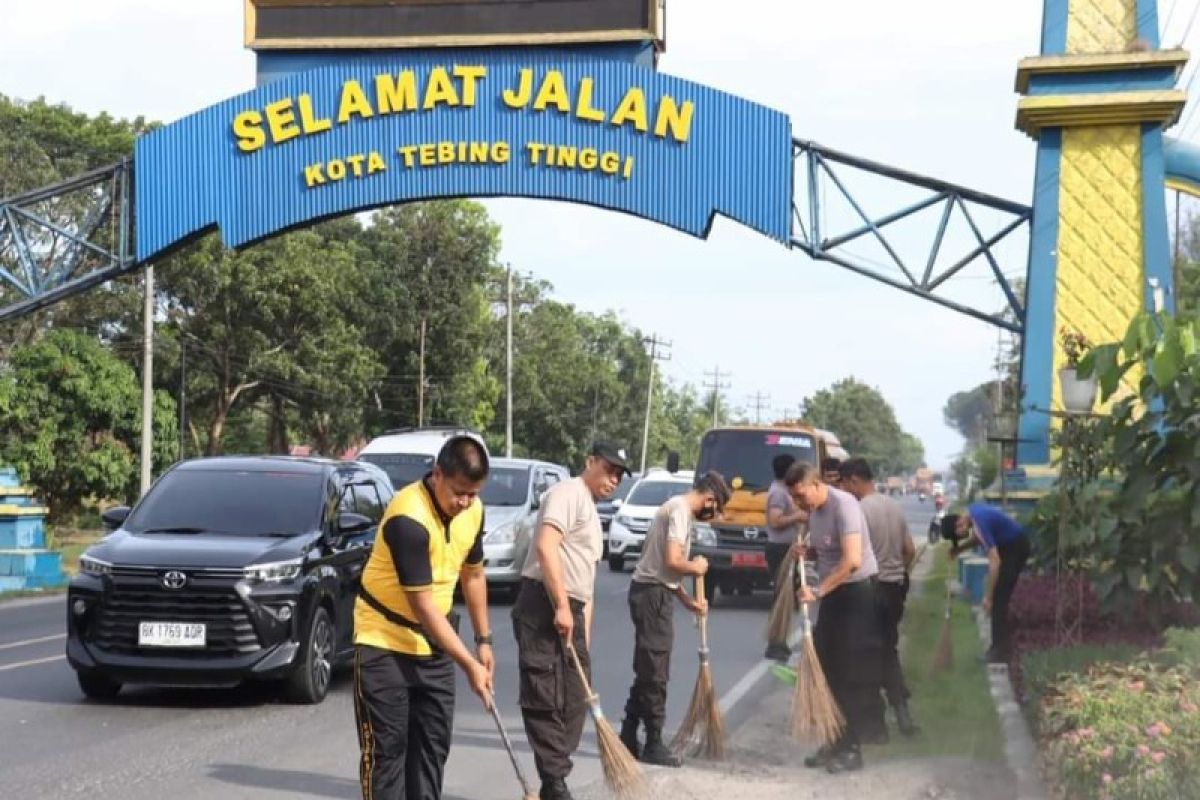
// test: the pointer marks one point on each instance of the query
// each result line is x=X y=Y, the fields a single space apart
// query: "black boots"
x=555 y=789
x=846 y=759
x=657 y=753
x=629 y=736
x=904 y=720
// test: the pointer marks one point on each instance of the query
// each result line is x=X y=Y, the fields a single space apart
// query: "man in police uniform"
x=554 y=606
x=405 y=631
x=655 y=584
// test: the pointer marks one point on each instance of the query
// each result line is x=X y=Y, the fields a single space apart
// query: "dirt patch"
x=765 y=763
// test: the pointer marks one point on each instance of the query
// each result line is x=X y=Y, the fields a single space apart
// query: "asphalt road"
x=243 y=743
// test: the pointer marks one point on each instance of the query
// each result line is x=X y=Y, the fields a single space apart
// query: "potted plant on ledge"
x=1078 y=393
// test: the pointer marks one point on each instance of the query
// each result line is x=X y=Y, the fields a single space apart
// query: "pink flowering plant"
x=1123 y=731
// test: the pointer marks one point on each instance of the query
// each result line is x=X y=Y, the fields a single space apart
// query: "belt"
x=576 y=605
x=397 y=618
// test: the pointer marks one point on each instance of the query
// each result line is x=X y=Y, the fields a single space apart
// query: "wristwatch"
x=485 y=639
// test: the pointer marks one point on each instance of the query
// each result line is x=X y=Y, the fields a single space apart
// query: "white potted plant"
x=1078 y=394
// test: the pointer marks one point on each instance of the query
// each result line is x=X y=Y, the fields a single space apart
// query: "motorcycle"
x=935 y=524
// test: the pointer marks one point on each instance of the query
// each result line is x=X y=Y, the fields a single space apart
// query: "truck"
x=735 y=542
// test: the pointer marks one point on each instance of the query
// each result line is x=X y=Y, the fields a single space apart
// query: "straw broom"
x=779 y=623
x=703 y=729
x=815 y=714
x=512 y=756
x=621 y=771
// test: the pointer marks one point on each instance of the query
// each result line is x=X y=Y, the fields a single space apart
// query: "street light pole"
x=508 y=428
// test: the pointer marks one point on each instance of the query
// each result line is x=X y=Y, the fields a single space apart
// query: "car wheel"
x=616 y=563
x=309 y=683
x=96 y=686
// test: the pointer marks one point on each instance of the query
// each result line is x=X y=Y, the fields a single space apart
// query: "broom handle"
x=702 y=619
x=587 y=687
x=804 y=585
x=512 y=756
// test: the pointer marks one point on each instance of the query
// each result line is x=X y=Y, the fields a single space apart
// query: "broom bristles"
x=621 y=771
x=779 y=623
x=703 y=728
x=815 y=714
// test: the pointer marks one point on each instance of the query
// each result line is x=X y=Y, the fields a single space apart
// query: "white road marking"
x=39 y=640
x=4 y=667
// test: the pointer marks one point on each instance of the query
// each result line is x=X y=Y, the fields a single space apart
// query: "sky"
x=927 y=86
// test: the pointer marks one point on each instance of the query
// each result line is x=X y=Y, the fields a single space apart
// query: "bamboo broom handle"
x=703 y=620
x=587 y=687
x=804 y=585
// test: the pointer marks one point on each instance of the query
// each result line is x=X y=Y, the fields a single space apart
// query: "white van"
x=407 y=454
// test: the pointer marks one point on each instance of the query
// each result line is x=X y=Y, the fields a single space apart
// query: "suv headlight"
x=94 y=566
x=505 y=534
x=705 y=534
x=276 y=572
x=624 y=520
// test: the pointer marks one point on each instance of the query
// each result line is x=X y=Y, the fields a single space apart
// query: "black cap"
x=612 y=454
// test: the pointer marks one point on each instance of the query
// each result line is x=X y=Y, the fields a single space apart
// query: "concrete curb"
x=1020 y=749
x=51 y=596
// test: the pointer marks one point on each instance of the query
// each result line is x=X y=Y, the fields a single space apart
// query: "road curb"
x=1020 y=749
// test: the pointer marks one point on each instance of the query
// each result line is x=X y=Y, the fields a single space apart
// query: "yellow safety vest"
x=450 y=542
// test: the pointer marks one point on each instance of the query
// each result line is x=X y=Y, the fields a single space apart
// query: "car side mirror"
x=115 y=517
x=672 y=462
x=539 y=494
x=349 y=523
x=617 y=503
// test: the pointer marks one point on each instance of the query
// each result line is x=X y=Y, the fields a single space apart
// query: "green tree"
x=70 y=421
x=866 y=425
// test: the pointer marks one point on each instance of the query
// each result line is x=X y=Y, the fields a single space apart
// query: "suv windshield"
x=239 y=502
x=402 y=468
x=748 y=454
x=655 y=493
x=506 y=486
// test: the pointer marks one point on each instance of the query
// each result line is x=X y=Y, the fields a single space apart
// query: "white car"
x=407 y=454
x=511 y=499
x=632 y=520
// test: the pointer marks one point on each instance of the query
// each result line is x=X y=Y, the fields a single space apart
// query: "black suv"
x=229 y=569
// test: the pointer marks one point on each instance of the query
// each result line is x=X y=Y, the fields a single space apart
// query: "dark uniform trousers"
x=849 y=643
x=1013 y=556
x=776 y=553
x=554 y=704
x=404 y=710
x=892 y=597
x=652 y=609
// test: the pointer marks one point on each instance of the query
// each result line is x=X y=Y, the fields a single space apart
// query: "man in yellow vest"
x=406 y=632
x=554 y=607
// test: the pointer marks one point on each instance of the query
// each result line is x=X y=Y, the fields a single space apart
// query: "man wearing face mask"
x=656 y=581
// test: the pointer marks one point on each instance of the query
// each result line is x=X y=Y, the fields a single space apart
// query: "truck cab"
x=735 y=543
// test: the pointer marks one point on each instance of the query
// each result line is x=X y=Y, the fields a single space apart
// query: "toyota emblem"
x=174 y=579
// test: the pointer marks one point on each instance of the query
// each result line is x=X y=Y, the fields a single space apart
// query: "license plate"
x=749 y=559
x=171 y=634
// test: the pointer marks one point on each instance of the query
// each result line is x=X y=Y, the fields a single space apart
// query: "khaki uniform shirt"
x=672 y=523
x=570 y=509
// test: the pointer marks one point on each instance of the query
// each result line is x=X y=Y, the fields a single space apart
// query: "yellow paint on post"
x=1101 y=26
x=1101 y=263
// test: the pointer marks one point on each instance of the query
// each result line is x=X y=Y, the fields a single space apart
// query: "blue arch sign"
x=370 y=132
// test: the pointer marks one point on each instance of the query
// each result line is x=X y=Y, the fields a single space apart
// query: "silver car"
x=511 y=498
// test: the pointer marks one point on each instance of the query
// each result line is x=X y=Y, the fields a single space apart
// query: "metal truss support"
x=66 y=238
x=813 y=164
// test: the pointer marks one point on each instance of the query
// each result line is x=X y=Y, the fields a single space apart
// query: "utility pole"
x=421 y=380
x=654 y=343
x=182 y=398
x=760 y=401
x=148 y=381
x=715 y=386
x=508 y=430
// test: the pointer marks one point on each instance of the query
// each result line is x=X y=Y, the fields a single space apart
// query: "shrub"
x=1123 y=732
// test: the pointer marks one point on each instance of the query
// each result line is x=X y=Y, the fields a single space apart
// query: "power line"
x=655 y=356
x=715 y=386
x=760 y=401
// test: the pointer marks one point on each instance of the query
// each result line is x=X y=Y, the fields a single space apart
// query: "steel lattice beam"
x=817 y=164
x=63 y=239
